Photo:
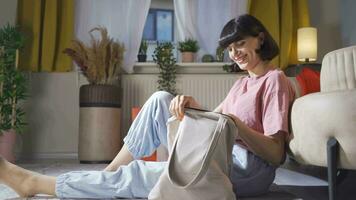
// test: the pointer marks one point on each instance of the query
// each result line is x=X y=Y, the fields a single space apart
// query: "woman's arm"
x=219 y=108
x=269 y=148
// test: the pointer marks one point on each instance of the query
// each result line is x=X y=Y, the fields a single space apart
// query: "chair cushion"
x=339 y=71
x=309 y=81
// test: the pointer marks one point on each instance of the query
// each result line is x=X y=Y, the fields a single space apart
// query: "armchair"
x=323 y=124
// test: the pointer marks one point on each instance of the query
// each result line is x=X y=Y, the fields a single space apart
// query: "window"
x=159 y=25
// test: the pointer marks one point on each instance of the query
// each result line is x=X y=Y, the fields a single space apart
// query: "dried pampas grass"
x=101 y=61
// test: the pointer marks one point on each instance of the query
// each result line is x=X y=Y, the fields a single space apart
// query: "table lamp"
x=307 y=44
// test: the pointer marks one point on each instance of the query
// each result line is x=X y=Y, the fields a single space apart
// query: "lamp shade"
x=307 y=44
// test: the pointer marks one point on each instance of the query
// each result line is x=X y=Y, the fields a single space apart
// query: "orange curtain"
x=48 y=26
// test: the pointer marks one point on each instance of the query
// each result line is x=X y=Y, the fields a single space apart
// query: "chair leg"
x=332 y=154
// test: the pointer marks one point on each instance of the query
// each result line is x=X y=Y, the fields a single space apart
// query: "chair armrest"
x=319 y=116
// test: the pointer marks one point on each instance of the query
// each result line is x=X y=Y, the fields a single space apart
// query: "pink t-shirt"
x=262 y=102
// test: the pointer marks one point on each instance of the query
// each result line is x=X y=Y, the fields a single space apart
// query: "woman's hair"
x=247 y=25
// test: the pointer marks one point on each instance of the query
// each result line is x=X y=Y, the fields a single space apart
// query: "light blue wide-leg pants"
x=135 y=180
x=250 y=175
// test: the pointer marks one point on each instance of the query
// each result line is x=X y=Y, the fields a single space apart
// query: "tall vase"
x=99 y=123
x=7 y=144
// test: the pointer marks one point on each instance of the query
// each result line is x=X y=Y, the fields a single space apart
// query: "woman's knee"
x=162 y=96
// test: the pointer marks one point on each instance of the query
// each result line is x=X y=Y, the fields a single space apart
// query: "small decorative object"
x=188 y=48
x=100 y=62
x=207 y=58
x=12 y=90
x=142 y=53
x=220 y=54
x=232 y=68
x=163 y=56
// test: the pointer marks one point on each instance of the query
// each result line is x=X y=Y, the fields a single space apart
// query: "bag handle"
x=206 y=159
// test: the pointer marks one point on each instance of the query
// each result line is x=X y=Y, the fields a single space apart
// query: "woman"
x=258 y=103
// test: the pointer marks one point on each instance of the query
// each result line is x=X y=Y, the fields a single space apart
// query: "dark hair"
x=244 y=26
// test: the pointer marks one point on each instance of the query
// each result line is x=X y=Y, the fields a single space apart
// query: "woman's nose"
x=235 y=52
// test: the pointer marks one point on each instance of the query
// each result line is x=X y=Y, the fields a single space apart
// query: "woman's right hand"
x=178 y=104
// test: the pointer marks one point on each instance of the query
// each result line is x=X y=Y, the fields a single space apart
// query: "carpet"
x=288 y=184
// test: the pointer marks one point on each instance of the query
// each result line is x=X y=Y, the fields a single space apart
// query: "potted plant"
x=100 y=100
x=188 y=49
x=142 y=53
x=12 y=90
x=163 y=56
x=220 y=54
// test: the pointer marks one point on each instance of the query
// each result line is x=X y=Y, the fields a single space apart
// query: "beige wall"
x=52 y=114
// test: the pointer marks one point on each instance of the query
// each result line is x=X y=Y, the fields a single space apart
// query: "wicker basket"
x=99 y=123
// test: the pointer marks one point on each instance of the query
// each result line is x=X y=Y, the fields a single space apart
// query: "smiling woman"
x=258 y=104
x=248 y=46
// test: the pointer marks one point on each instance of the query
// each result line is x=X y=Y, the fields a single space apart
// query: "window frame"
x=154 y=11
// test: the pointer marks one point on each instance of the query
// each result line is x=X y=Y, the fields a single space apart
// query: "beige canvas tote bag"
x=200 y=158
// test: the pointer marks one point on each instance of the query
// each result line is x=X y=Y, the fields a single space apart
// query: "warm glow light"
x=307 y=44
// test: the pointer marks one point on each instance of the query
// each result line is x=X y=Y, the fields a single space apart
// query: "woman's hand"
x=238 y=123
x=178 y=104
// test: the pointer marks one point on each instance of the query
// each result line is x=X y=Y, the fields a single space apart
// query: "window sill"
x=183 y=68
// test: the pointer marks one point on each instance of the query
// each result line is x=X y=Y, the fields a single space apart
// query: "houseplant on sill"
x=12 y=90
x=220 y=54
x=163 y=56
x=188 y=49
x=100 y=100
x=142 y=53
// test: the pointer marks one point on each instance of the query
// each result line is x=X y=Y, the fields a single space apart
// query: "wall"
x=7 y=12
x=325 y=16
x=52 y=114
x=348 y=25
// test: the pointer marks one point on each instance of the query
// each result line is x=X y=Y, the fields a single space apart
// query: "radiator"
x=208 y=89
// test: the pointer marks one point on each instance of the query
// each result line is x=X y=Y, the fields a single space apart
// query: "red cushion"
x=309 y=81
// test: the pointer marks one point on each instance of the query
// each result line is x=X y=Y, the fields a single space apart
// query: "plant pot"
x=7 y=144
x=99 y=123
x=188 y=56
x=141 y=57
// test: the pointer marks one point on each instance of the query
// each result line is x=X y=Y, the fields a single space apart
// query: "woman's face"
x=243 y=52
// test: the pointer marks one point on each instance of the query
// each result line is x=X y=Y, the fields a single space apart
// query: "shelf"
x=183 y=68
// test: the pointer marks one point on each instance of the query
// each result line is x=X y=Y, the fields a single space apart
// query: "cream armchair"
x=324 y=124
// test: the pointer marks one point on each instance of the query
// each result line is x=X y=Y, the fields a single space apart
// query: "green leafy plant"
x=220 y=54
x=207 y=58
x=143 y=47
x=188 y=45
x=12 y=80
x=232 y=68
x=100 y=61
x=163 y=56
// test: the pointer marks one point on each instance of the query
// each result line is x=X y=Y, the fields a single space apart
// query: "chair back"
x=338 y=70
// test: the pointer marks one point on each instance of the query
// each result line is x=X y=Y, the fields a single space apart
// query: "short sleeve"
x=275 y=106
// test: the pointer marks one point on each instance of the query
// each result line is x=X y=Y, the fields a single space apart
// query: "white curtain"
x=124 y=20
x=203 y=20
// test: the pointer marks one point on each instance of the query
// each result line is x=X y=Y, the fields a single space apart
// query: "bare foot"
x=19 y=179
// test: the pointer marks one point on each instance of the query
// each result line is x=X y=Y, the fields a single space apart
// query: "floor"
x=293 y=182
